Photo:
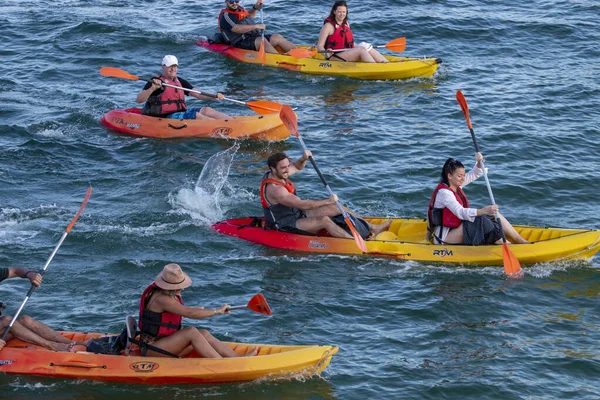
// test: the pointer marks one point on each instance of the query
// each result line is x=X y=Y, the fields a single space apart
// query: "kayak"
x=406 y=240
x=397 y=68
x=260 y=127
x=272 y=361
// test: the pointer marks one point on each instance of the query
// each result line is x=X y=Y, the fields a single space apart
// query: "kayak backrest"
x=131 y=324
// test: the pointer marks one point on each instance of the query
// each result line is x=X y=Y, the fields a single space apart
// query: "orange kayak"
x=272 y=361
x=260 y=127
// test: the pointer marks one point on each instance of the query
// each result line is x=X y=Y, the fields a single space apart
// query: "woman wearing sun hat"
x=161 y=313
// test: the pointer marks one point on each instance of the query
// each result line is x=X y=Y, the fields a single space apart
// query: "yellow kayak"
x=397 y=68
x=406 y=239
x=272 y=361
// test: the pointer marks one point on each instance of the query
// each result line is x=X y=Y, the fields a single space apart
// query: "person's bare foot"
x=377 y=229
x=54 y=346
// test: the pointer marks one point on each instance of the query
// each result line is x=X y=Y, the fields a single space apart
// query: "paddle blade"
x=259 y=304
x=261 y=51
x=289 y=119
x=83 y=204
x=357 y=238
x=264 y=107
x=302 y=53
x=118 y=73
x=465 y=108
x=397 y=45
x=512 y=266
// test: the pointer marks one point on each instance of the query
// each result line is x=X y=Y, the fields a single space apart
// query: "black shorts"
x=248 y=43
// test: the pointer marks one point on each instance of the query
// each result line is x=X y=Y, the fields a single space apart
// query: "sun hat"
x=169 y=60
x=172 y=278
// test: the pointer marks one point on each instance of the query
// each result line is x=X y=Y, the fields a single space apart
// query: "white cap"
x=169 y=60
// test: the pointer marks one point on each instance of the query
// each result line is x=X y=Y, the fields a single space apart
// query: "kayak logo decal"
x=325 y=65
x=121 y=121
x=251 y=56
x=315 y=244
x=443 y=253
x=6 y=362
x=224 y=131
x=144 y=366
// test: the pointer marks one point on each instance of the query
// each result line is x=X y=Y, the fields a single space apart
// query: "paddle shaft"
x=487 y=183
x=60 y=242
x=314 y=164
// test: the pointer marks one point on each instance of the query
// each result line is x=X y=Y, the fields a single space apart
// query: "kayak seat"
x=258 y=222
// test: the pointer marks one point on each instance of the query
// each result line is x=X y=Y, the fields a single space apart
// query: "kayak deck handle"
x=177 y=127
x=77 y=365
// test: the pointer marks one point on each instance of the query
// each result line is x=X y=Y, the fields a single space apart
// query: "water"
x=406 y=330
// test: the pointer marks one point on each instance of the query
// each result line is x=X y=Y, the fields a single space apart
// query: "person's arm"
x=257 y=6
x=230 y=22
x=22 y=272
x=171 y=305
x=280 y=195
x=445 y=199
x=476 y=171
x=326 y=31
x=147 y=91
x=299 y=164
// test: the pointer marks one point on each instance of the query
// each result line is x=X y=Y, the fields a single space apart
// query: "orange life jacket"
x=157 y=324
x=241 y=13
x=288 y=185
x=341 y=38
x=447 y=217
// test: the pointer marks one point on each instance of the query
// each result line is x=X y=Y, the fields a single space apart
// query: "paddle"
x=289 y=119
x=512 y=267
x=259 y=106
x=257 y=303
x=261 y=50
x=397 y=45
x=64 y=235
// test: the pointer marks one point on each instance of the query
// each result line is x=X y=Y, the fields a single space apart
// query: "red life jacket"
x=448 y=218
x=157 y=324
x=169 y=101
x=241 y=13
x=341 y=38
x=288 y=185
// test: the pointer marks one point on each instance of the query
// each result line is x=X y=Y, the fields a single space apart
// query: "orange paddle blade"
x=261 y=51
x=264 y=107
x=118 y=73
x=85 y=201
x=302 y=53
x=259 y=304
x=357 y=238
x=465 y=108
x=512 y=266
x=397 y=45
x=289 y=119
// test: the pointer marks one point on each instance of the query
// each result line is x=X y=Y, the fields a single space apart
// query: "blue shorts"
x=190 y=113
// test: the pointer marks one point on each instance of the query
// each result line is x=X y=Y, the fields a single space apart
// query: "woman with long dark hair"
x=337 y=35
x=452 y=221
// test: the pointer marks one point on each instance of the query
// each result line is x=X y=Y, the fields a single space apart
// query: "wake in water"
x=203 y=202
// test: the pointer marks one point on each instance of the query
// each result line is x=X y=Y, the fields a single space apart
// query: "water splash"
x=203 y=203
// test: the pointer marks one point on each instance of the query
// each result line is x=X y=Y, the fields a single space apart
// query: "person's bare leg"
x=180 y=340
x=315 y=224
x=211 y=113
x=510 y=232
x=222 y=348
x=26 y=335
x=455 y=236
x=278 y=40
x=268 y=46
x=377 y=56
x=42 y=330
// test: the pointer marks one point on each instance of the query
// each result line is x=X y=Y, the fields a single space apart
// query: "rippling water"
x=406 y=330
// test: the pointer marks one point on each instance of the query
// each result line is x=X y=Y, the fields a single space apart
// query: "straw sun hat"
x=172 y=278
